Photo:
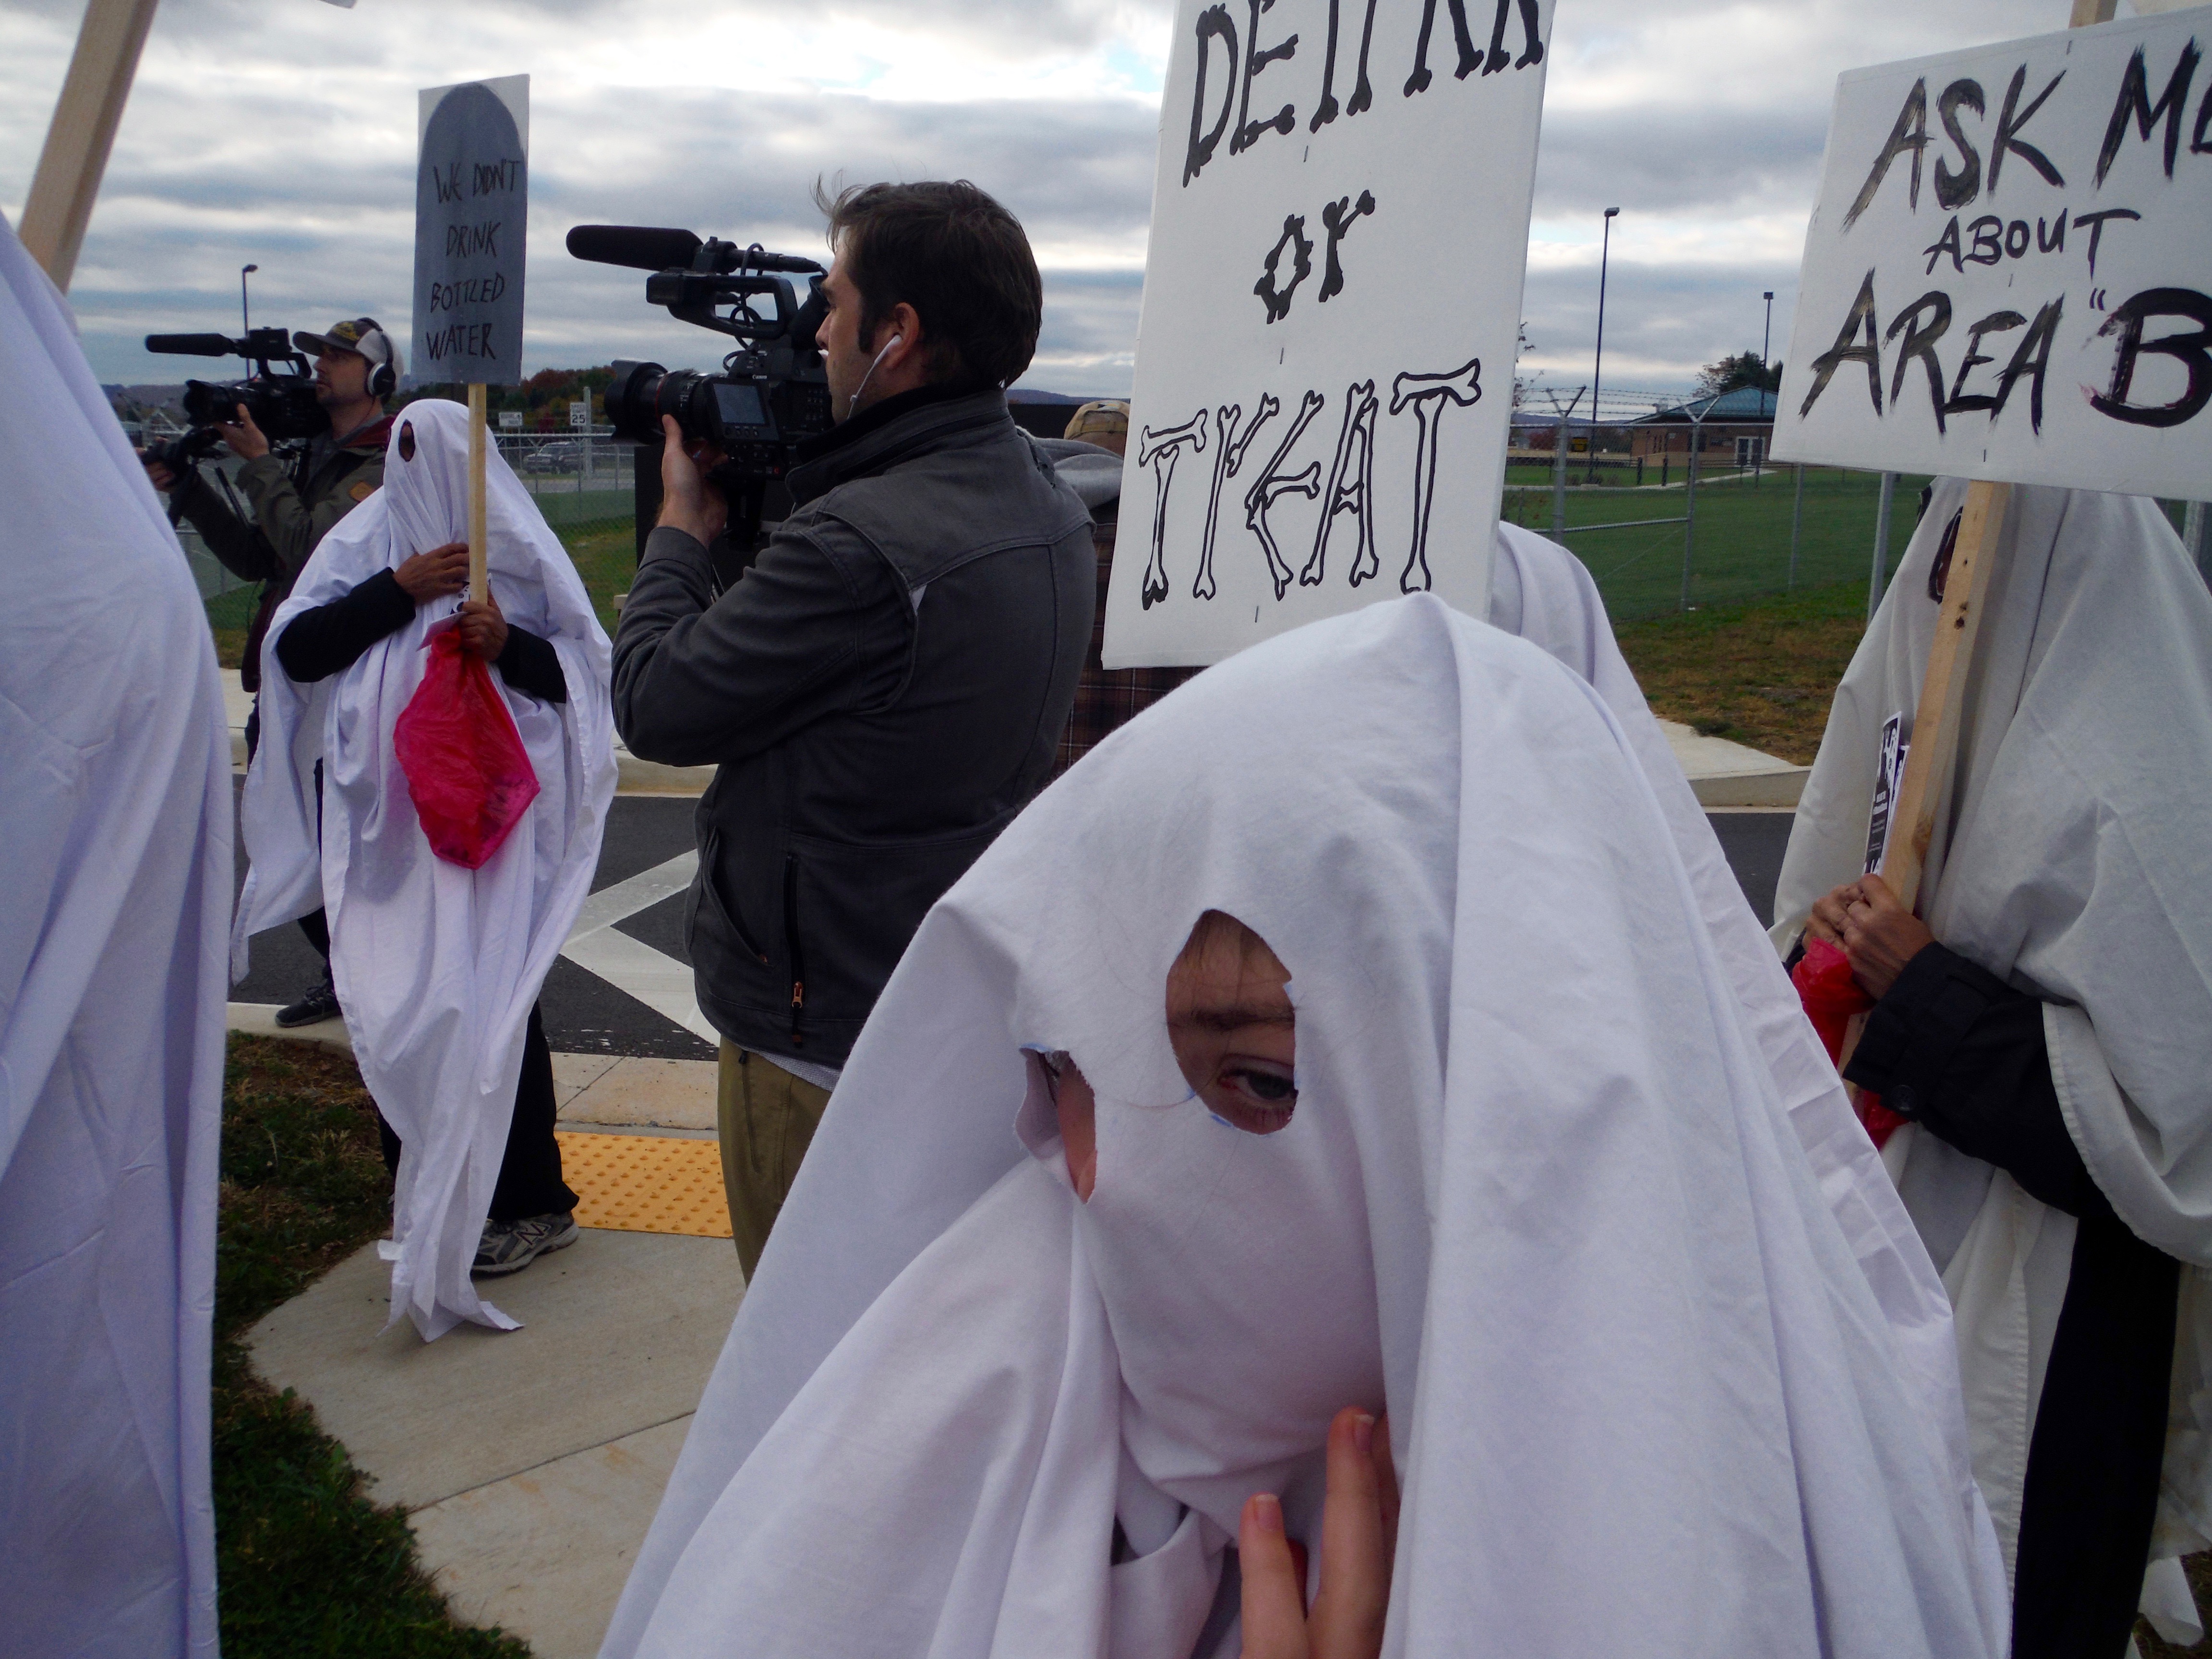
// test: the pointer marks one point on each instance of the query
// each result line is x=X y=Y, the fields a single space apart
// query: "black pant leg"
x=530 y=1174
x=390 y=1141
x=316 y=925
x=2093 y=1466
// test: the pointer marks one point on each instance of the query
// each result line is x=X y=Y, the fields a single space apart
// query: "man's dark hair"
x=958 y=257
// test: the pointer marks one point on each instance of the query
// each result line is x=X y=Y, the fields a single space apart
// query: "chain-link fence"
x=584 y=483
x=1732 y=535
x=1743 y=533
x=1655 y=540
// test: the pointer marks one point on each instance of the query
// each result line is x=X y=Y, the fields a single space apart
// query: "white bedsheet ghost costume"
x=115 y=820
x=437 y=966
x=2074 y=860
x=1539 y=1199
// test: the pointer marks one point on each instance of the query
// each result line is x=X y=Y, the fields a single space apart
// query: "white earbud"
x=896 y=339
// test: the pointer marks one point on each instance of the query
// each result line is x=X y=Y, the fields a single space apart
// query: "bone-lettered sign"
x=1332 y=305
x=472 y=197
x=2006 y=275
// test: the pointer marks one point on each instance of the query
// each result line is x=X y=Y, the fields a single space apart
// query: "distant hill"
x=1043 y=414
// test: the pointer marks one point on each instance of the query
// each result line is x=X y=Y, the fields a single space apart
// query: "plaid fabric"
x=1104 y=700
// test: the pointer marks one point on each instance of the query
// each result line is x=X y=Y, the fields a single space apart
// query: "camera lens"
x=634 y=401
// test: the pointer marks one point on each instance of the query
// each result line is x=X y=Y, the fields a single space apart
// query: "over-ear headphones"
x=383 y=378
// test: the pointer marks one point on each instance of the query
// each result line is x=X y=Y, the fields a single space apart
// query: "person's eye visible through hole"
x=407 y=441
x=1230 y=1021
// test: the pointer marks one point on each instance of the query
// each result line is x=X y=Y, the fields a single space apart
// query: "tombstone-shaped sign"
x=472 y=197
x=1332 y=307
x=2009 y=275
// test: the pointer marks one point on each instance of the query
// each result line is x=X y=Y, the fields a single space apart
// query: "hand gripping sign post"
x=2006 y=279
x=472 y=202
x=1332 y=307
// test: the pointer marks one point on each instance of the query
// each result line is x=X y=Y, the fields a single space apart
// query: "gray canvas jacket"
x=882 y=691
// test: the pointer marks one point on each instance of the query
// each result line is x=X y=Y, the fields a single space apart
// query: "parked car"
x=565 y=457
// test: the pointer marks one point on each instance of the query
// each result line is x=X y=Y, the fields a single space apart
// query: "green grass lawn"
x=1762 y=672
x=1742 y=547
x=307 y=1561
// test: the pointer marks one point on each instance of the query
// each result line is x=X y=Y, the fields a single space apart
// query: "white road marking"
x=653 y=977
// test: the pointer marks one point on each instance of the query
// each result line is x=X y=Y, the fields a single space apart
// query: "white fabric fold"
x=1540 y=1199
x=115 y=820
x=2072 y=856
x=437 y=966
x=1542 y=593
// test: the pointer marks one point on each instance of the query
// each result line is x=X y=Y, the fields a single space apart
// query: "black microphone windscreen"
x=190 y=345
x=642 y=247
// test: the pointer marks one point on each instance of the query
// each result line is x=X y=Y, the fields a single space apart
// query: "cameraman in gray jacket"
x=884 y=687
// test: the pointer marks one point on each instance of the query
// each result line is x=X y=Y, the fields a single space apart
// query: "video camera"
x=283 y=404
x=773 y=391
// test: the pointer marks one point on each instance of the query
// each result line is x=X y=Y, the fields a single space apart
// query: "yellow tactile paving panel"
x=646 y=1183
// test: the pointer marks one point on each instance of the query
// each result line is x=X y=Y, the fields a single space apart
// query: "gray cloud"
x=281 y=132
x=1679 y=161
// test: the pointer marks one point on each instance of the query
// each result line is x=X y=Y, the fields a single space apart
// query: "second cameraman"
x=885 y=687
x=293 y=507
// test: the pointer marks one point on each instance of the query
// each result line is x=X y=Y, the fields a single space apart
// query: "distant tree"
x=1741 y=370
x=543 y=398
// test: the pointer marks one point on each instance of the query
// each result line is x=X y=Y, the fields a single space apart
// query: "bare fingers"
x=1273 y=1598
x=1355 y=1545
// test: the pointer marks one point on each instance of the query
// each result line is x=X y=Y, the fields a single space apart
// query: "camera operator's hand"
x=158 y=475
x=484 y=630
x=247 y=441
x=436 y=575
x=688 y=501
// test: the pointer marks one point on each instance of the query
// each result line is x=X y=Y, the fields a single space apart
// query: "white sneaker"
x=508 y=1247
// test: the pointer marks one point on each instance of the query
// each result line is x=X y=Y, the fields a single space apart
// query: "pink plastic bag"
x=1832 y=996
x=467 y=772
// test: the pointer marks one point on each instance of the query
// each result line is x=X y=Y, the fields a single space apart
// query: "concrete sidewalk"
x=1722 y=773
x=531 y=1462
x=1727 y=775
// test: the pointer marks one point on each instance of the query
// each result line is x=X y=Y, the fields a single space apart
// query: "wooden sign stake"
x=477 y=548
x=1933 y=758
x=86 y=116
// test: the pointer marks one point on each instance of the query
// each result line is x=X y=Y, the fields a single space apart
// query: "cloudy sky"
x=283 y=132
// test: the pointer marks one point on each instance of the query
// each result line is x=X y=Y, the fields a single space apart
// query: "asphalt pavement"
x=621 y=986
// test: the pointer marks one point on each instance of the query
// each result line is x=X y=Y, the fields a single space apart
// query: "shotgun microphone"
x=648 y=247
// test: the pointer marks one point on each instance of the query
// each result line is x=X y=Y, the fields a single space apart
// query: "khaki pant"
x=765 y=1118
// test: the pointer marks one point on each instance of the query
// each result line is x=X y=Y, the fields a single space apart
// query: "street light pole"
x=245 y=310
x=1605 y=253
x=1765 y=345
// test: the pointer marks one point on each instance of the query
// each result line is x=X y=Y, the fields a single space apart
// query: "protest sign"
x=471 y=217
x=472 y=199
x=2006 y=276
x=1332 y=307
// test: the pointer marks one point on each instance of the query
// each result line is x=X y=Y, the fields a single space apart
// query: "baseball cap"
x=362 y=334
x=1108 y=417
